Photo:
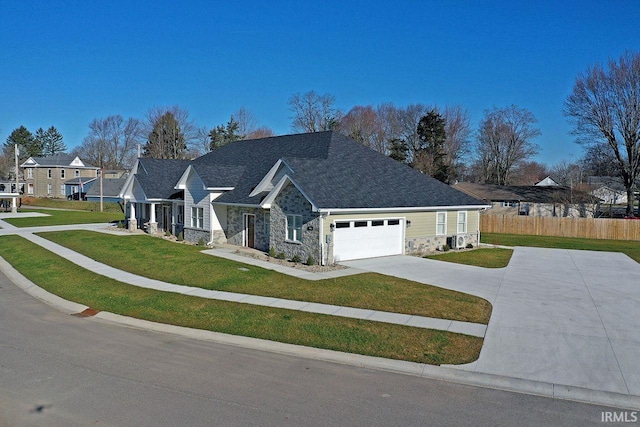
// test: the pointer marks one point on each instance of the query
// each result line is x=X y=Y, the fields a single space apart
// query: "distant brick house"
x=46 y=176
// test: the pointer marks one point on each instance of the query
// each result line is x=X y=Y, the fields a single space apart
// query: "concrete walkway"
x=468 y=328
x=559 y=316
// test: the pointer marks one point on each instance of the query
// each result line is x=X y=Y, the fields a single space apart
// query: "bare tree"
x=568 y=174
x=505 y=139
x=363 y=124
x=605 y=107
x=313 y=112
x=111 y=142
x=457 y=137
x=260 y=132
x=246 y=120
x=528 y=173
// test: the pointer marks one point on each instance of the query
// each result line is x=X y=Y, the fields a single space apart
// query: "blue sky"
x=64 y=63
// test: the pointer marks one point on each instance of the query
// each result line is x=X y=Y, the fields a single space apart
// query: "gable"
x=76 y=162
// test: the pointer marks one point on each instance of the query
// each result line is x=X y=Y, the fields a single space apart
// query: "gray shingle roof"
x=58 y=160
x=334 y=171
x=111 y=187
x=158 y=177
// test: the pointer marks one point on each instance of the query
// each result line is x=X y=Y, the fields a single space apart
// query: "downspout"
x=211 y=213
x=321 y=240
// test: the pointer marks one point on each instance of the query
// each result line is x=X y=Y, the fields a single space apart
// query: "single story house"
x=533 y=200
x=111 y=188
x=319 y=195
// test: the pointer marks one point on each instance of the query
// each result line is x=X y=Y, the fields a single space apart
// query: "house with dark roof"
x=109 y=190
x=319 y=195
x=533 y=200
x=47 y=176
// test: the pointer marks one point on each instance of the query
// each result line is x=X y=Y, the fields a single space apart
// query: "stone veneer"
x=235 y=226
x=195 y=234
x=291 y=202
x=425 y=245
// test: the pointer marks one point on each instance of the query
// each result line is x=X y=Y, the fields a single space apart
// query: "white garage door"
x=355 y=239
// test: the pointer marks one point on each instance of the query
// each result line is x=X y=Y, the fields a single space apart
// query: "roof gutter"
x=330 y=211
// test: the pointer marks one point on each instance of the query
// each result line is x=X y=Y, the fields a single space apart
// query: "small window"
x=393 y=222
x=197 y=215
x=294 y=228
x=62 y=190
x=377 y=223
x=49 y=189
x=267 y=223
x=462 y=222
x=30 y=189
x=30 y=173
x=441 y=223
x=343 y=224
x=180 y=218
x=49 y=173
x=77 y=173
x=360 y=224
x=62 y=172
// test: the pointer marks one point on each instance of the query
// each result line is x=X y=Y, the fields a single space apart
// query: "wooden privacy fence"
x=590 y=228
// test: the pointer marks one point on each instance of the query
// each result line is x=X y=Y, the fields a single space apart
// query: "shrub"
x=445 y=248
x=272 y=252
x=469 y=246
x=167 y=233
x=180 y=236
x=311 y=260
x=281 y=255
x=296 y=258
x=201 y=242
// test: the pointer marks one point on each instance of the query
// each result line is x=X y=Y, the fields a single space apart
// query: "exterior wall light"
x=332 y=227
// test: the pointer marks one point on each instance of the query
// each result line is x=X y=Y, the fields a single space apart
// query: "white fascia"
x=406 y=209
x=219 y=188
x=182 y=182
x=127 y=188
x=29 y=162
x=266 y=203
x=266 y=183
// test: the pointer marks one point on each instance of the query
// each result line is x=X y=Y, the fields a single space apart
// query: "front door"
x=249 y=239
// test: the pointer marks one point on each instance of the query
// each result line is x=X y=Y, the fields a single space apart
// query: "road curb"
x=441 y=373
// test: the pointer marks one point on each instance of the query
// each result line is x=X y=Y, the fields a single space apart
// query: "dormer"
x=271 y=179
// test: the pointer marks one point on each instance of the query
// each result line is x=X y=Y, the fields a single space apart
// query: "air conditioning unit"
x=461 y=241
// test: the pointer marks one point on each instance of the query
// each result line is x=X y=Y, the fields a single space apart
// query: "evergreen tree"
x=166 y=140
x=50 y=141
x=398 y=150
x=222 y=135
x=26 y=143
x=430 y=158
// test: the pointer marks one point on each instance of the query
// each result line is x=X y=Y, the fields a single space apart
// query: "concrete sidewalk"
x=468 y=328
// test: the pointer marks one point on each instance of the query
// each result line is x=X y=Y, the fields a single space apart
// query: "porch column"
x=153 y=225
x=133 y=223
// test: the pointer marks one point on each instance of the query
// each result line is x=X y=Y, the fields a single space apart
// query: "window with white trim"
x=49 y=173
x=77 y=173
x=62 y=190
x=180 y=219
x=441 y=223
x=267 y=223
x=62 y=173
x=49 y=189
x=462 y=222
x=197 y=215
x=30 y=188
x=30 y=173
x=294 y=228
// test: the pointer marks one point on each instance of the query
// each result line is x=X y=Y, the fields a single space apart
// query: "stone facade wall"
x=425 y=245
x=235 y=226
x=195 y=234
x=291 y=202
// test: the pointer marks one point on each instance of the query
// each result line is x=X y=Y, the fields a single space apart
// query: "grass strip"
x=58 y=217
x=65 y=279
x=183 y=264
x=628 y=247
x=484 y=257
x=77 y=205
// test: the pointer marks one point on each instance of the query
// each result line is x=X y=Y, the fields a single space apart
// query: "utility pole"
x=14 y=203
x=101 y=174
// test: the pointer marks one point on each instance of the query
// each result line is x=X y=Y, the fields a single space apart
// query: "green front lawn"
x=628 y=247
x=63 y=217
x=484 y=257
x=63 y=278
x=185 y=265
x=78 y=205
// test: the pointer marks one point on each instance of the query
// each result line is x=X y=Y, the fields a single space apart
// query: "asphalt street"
x=62 y=370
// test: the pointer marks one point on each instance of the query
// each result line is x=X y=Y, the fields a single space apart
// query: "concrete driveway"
x=560 y=316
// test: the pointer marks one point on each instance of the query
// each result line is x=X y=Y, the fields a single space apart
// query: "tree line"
x=604 y=108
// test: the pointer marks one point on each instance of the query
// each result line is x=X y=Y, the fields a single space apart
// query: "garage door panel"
x=382 y=239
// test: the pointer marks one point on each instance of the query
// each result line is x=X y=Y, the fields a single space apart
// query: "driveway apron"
x=560 y=316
